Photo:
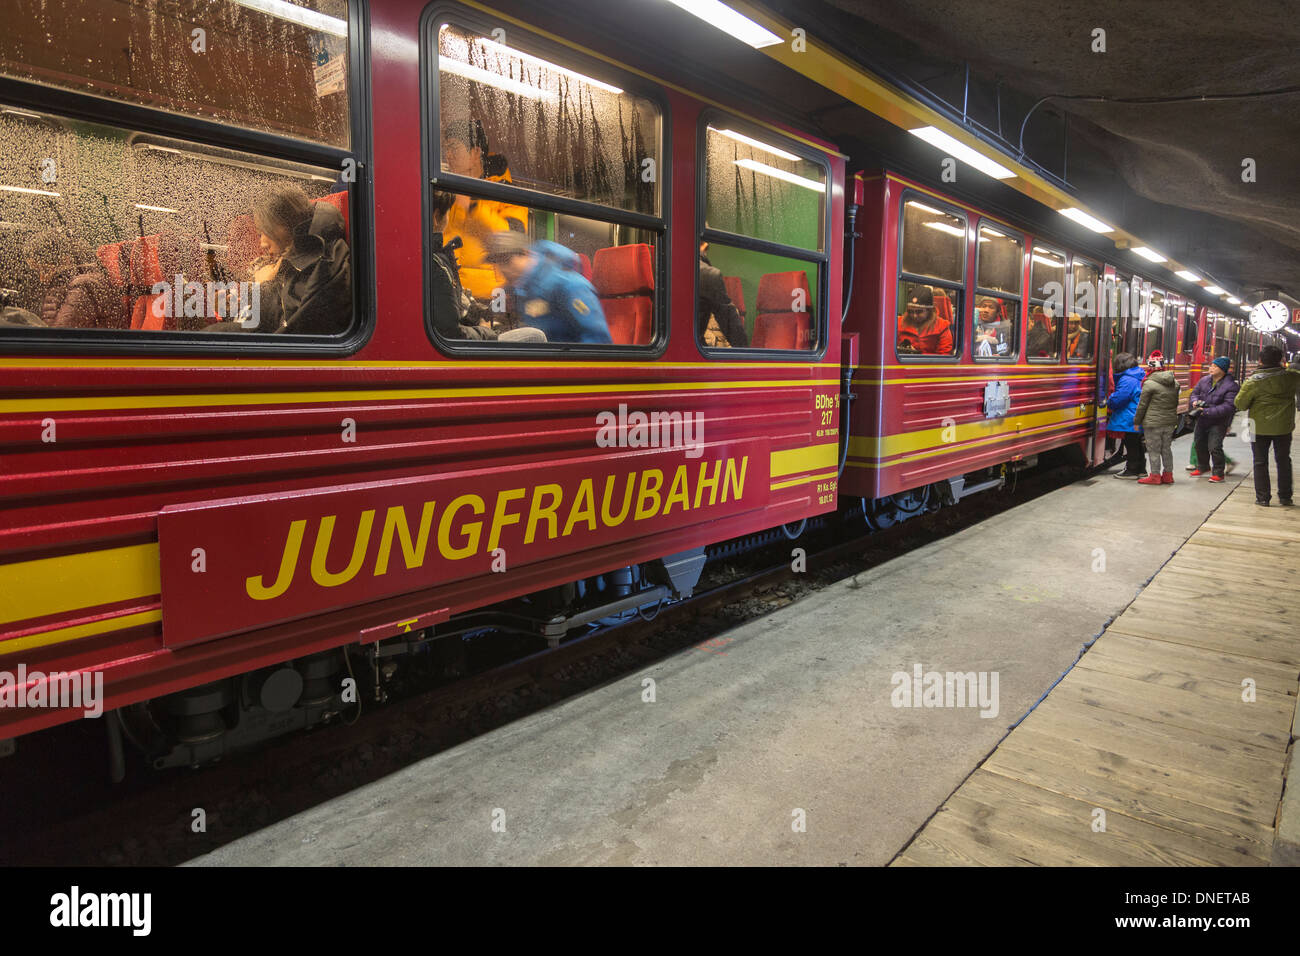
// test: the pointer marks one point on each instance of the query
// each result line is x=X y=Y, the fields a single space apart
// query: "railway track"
x=151 y=817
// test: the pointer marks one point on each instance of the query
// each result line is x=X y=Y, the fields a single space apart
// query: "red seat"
x=943 y=307
x=625 y=281
x=584 y=266
x=162 y=258
x=340 y=202
x=115 y=258
x=779 y=325
x=243 y=245
x=736 y=293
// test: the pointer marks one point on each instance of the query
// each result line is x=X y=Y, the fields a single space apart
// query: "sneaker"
x=1231 y=465
x=1286 y=502
x=1191 y=468
x=1167 y=478
x=1216 y=477
x=1262 y=504
x=1197 y=473
x=1129 y=475
x=1150 y=480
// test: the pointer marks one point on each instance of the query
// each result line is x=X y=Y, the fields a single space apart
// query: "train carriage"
x=203 y=502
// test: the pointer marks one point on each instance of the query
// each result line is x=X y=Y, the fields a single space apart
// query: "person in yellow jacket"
x=465 y=153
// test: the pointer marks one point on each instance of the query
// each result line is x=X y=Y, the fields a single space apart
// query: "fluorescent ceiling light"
x=729 y=21
x=1247 y=307
x=23 y=113
x=1149 y=255
x=141 y=205
x=941 y=140
x=775 y=173
x=32 y=192
x=1189 y=276
x=945 y=227
x=924 y=208
x=1047 y=262
x=742 y=138
x=1083 y=219
x=299 y=15
x=1233 y=300
x=488 y=78
x=490 y=45
x=993 y=232
x=1214 y=290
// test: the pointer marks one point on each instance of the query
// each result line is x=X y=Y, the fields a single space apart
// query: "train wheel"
x=914 y=502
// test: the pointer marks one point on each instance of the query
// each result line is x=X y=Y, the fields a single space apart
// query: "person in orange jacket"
x=465 y=153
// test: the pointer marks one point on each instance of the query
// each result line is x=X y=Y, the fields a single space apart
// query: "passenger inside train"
x=1040 y=340
x=74 y=291
x=1078 y=336
x=992 y=329
x=555 y=298
x=719 y=324
x=921 y=329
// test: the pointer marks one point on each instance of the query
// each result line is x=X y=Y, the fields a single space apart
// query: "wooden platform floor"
x=1150 y=727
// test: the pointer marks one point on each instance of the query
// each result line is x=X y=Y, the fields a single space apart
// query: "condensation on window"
x=93 y=218
x=274 y=66
x=1001 y=261
x=760 y=190
x=934 y=242
x=510 y=116
x=1047 y=275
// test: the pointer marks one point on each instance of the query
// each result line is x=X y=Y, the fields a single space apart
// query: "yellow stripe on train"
x=945 y=437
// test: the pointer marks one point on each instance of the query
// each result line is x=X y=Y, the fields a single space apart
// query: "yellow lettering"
x=321 y=574
x=499 y=517
x=471 y=530
x=577 y=512
x=256 y=587
x=395 y=520
x=645 y=493
x=738 y=486
x=536 y=514
x=710 y=483
x=605 y=516
x=683 y=496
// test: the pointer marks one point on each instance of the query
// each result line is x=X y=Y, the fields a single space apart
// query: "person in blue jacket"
x=1123 y=402
x=553 y=295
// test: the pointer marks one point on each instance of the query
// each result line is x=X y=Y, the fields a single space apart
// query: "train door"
x=1109 y=330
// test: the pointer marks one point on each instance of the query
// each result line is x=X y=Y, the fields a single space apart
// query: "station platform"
x=791 y=739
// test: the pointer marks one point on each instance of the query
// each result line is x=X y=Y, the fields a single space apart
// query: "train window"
x=508 y=116
x=996 y=322
x=1000 y=261
x=268 y=66
x=1081 y=318
x=147 y=233
x=760 y=190
x=1135 y=296
x=926 y=323
x=765 y=291
x=546 y=215
x=1155 y=325
x=1190 y=328
x=934 y=242
x=1046 y=304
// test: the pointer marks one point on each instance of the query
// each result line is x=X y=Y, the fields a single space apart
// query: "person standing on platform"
x=1122 y=403
x=1157 y=416
x=1269 y=397
x=1212 y=404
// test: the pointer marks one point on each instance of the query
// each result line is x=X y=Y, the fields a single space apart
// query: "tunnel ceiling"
x=1171 y=172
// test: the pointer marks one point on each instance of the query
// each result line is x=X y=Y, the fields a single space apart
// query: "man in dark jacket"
x=1269 y=396
x=452 y=314
x=715 y=302
x=1212 y=404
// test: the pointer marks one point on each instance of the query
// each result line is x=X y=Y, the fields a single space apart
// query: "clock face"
x=1269 y=316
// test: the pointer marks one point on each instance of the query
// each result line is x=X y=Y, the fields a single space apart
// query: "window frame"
x=433 y=177
x=959 y=340
x=149 y=121
x=1031 y=301
x=822 y=258
x=1164 y=315
x=1017 y=320
x=1071 y=296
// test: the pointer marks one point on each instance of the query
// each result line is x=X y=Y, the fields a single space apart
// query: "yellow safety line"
x=115 y=402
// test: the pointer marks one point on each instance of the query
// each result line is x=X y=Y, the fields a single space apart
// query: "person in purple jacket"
x=1212 y=404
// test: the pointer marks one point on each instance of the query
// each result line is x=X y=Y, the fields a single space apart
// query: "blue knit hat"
x=1224 y=363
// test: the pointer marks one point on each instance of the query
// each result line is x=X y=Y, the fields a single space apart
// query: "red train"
x=247 y=420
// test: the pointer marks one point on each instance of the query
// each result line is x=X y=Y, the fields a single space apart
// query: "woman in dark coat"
x=1122 y=405
x=305 y=270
